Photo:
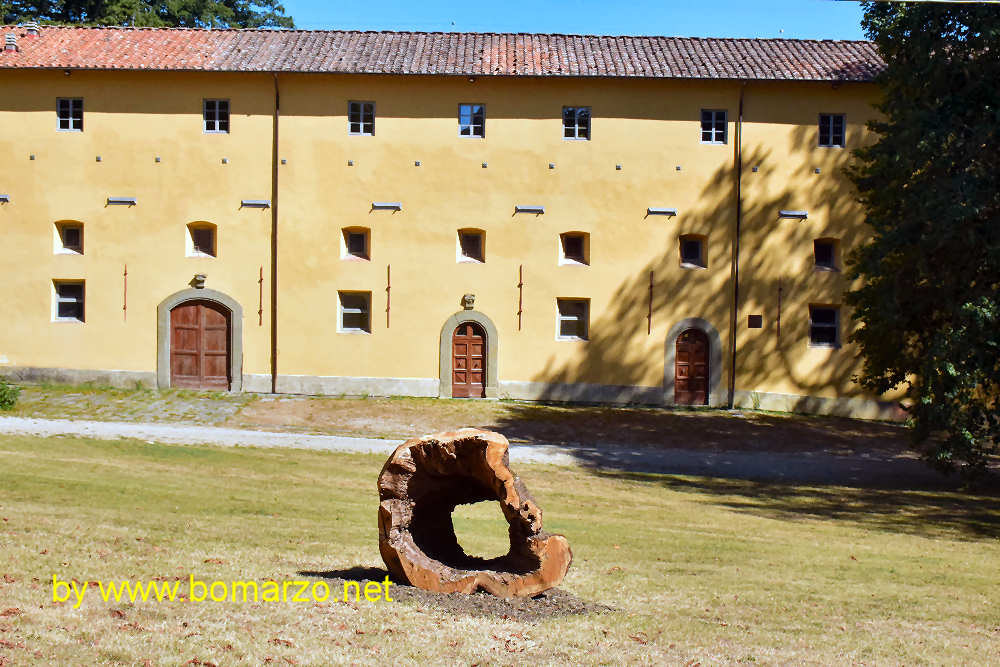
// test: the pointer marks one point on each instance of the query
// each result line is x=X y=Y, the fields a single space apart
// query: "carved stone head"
x=469 y=301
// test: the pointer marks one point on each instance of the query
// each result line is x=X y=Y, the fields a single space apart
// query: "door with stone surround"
x=468 y=361
x=199 y=346
x=691 y=368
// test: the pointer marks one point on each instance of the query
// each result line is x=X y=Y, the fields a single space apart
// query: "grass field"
x=698 y=570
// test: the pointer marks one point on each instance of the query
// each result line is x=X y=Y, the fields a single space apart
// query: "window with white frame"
x=572 y=319
x=361 y=118
x=576 y=122
x=713 y=126
x=824 y=326
x=831 y=130
x=574 y=248
x=355 y=312
x=215 y=114
x=472 y=120
x=692 y=251
x=471 y=245
x=69 y=111
x=201 y=240
x=68 y=298
x=69 y=238
x=825 y=254
x=355 y=243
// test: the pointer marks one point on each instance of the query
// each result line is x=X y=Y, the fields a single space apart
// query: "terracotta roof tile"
x=465 y=54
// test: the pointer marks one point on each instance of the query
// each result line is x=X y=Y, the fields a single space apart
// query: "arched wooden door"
x=691 y=368
x=199 y=346
x=468 y=361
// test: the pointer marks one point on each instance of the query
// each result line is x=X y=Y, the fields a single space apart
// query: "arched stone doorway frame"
x=715 y=394
x=235 y=333
x=444 y=352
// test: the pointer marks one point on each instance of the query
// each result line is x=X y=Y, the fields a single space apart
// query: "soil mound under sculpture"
x=420 y=486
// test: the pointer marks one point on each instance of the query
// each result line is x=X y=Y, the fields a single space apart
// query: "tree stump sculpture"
x=420 y=486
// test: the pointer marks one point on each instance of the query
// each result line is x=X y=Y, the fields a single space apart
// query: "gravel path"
x=876 y=469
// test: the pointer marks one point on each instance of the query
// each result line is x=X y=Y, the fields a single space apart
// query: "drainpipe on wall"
x=274 y=239
x=738 y=146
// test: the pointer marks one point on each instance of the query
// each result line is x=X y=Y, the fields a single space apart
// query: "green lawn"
x=699 y=570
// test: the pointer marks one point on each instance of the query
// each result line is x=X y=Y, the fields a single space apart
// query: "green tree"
x=929 y=310
x=155 y=13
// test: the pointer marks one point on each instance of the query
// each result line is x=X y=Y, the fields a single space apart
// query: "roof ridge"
x=331 y=31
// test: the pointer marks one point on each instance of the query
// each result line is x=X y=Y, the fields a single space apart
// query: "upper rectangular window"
x=215 y=114
x=70 y=113
x=573 y=319
x=471 y=245
x=472 y=120
x=825 y=254
x=576 y=122
x=831 y=130
x=355 y=312
x=68 y=301
x=713 y=126
x=824 y=326
x=69 y=238
x=361 y=118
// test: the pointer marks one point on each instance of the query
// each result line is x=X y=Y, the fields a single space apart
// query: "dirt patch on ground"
x=526 y=423
x=552 y=603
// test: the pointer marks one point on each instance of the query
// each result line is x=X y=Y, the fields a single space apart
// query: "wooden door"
x=199 y=346
x=691 y=368
x=468 y=361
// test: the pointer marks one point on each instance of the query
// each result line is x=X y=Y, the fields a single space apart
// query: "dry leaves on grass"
x=11 y=611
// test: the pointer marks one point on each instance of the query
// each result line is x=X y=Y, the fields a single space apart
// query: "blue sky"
x=801 y=19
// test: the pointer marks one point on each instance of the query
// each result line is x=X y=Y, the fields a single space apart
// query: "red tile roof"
x=466 y=54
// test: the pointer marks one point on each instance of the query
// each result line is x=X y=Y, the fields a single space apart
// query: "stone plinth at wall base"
x=582 y=393
x=355 y=386
x=857 y=408
x=111 y=378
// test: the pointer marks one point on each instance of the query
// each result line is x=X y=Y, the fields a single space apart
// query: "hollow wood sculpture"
x=420 y=486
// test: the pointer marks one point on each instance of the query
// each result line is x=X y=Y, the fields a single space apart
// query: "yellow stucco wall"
x=129 y=119
x=649 y=127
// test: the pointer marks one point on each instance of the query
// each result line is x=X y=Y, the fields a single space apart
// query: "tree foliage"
x=152 y=13
x=929 y=310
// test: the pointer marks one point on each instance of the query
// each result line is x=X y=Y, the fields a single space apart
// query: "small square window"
x=69 y=238
x=713 y=126
x=69 y=298
x=471 y=245
x=355 y=243
x=70 y=114
x=573 y=319
x=355 y=312
x=576 y=122
x=361 y=118
x=472 y=120
x=215 y=114
x=831 y=130
x=574 y=248
x=755 y=321
x=201 y=240
x=825 y=254
x=692 y=249
x=824 y=326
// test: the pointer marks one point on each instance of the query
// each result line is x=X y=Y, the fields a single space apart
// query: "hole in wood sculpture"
x=420 y=486
x=481 y=529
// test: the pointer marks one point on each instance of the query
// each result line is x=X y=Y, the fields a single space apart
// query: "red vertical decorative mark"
x=649 y=312
x=778 y=319
x=260 y=299
x=125 y=295
x=388 y=293
x=520 y=294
